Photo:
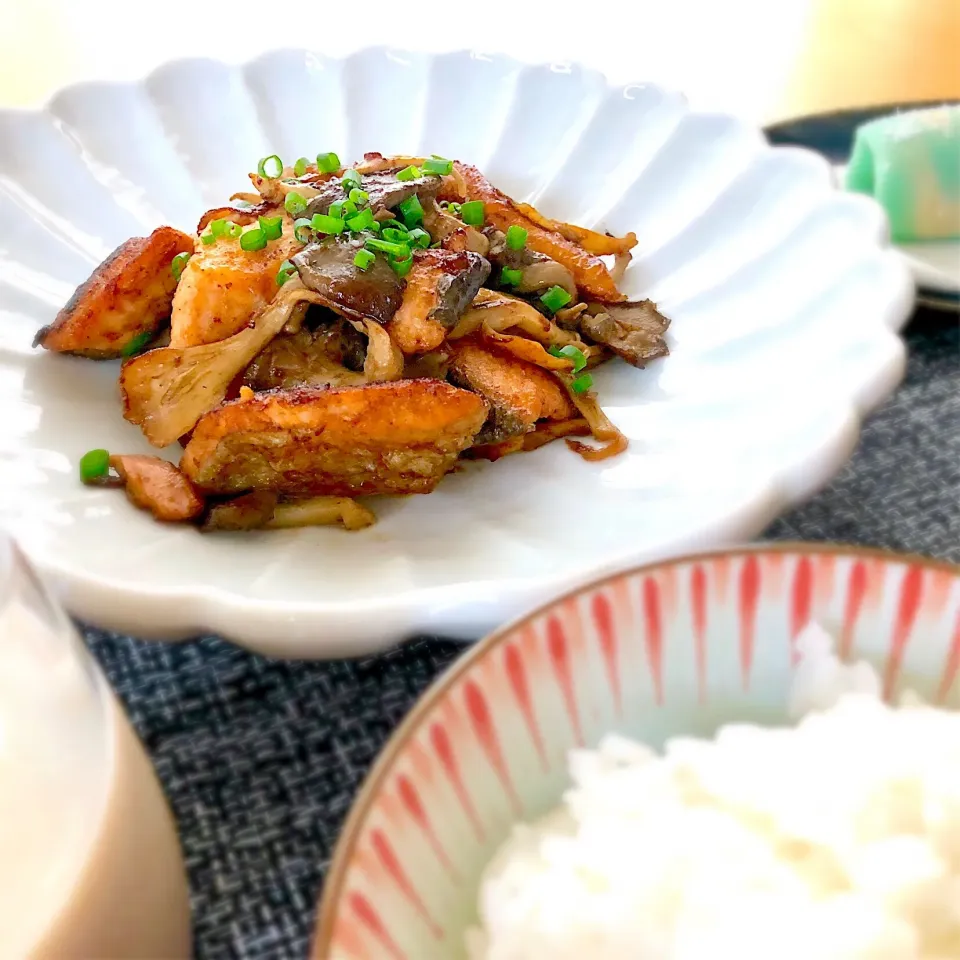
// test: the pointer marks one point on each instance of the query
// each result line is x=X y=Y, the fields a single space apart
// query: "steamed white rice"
x=836 y=839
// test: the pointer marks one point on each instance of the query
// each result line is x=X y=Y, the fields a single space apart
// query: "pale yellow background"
x=763 y=59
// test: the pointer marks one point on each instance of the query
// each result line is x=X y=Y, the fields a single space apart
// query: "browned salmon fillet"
x=224 y=287
x=398 y=437
x=127 y=296
x=157 y=485
x=519 y=392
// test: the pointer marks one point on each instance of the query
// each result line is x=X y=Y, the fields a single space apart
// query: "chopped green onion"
x=419 y=238
x=208 y=238
x=294 y=204
x=219 y=227
x=438 y=165
x=399 y=251
x=582 y=384
x=395 y=235
x=328 y=162
x=358 y=196
x=286 y=271
x=362 y=221
x=137 y=344
x=253 y=238
x=409 y=173
x=233 y=230
x=349 y=208
x=300 y=167
x=510 y=277
x=270 y=167
x=516 y=237
x=272 y=227
x=402 y=267
x=351 y=179
x=324 y=224
x=411 y=211
x=570 y=352
x=94 y=464
x=177 y=264
x=472 y=213
x=303 y=229
x=364 y=259
x=336 y=209
x=555 y=298
x=454 y=208
x=375 y=226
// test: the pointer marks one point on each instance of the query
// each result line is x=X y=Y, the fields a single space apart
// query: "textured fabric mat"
x=261 y=759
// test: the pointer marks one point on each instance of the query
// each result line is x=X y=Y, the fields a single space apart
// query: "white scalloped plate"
x=784 y=296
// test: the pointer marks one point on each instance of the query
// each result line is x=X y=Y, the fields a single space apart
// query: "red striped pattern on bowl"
x=674 y=648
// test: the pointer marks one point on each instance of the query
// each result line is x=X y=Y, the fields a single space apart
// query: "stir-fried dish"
x=348 y=331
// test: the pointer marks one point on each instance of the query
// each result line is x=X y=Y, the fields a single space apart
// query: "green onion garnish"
x=364 y=259
x=419 y=238
x=358 y=196
x=286 y=271
x=351 y=179
x=303 y=229
x=349 y=208
x=409 y=173
x=402 y=267
x=555 y=298
x=454 y=208
x=272 y=227
x=253 y=238
x=375 y=226
x=300 y=167
x=336 y=209
x=570 y=352
x=472 y=213
x=219 y=227
x=270 y=167
x=510 y=277
x=94 y=464
x=233 y=230
x=582 y=384
x=324 y=224
x=411 y=211
x=395 y=234
x=177 y=264
x=294 y=204
x=208 y=238
x=136 y=344
x=328 y=162
x=516 y=237
x=362 y=221
x=438 y=165
x=399 y=251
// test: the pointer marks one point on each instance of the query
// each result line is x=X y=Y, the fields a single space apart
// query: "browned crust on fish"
x=156 y=485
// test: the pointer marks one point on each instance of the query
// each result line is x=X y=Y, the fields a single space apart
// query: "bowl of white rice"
x=753 y=753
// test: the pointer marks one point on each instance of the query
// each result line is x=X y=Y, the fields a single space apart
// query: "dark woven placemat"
x=261 y=758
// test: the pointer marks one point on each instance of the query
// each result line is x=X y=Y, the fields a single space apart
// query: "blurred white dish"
x=784 y=298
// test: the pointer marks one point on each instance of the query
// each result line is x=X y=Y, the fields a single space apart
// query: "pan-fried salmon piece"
x=128 y=296
x=157 y=485
x=398 y=437
x=223 y=287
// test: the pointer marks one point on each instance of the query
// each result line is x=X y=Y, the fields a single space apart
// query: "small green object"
x=399 y=251
x=137 y=344
x=328 y=162
x=303 y=229
x=270 y=167
x=286 y=271
x=454 y=208
x=219 y=227
x=364 y=259
x=570 y=352
x=438 y=165
x=94 y=464
x=294 y=204
x=472 y=213
x=409 y=173
x=253 y=238
x=177 y=264
x=374 y=227
x=233 y=230
x=300 y=167
x=351 y=179
x=361 y=221
x=582 y=384
x=208 y=239
x=402 y=267
x=516 y=237
x=349 y=208
x=411 y=211
x=336 y=209
x=358 y=196
x=419 y=238
x=272 y=227
x=325 y=224
x=395 y=234
x=510 y=277
x=555 y=298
